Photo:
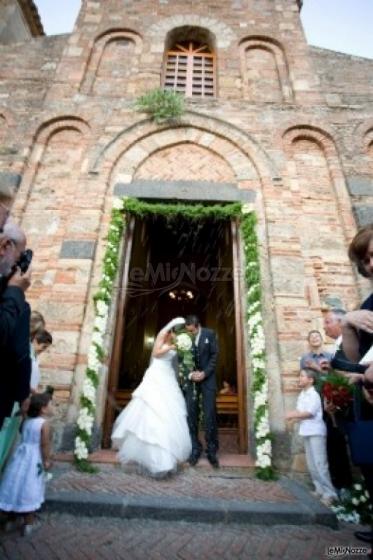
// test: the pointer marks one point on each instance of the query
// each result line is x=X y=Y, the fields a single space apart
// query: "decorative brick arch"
x=325 y=142
x=159 y=31
x=42 y=136
x=277 y=51
x=240 y=150
x=98 y=49
x=185 y=160
x=244 y=172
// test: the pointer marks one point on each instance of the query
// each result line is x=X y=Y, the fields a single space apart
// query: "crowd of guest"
x=333 y=443
x=24 y=408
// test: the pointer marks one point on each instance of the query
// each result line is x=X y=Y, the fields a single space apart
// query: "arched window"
x=190 y=69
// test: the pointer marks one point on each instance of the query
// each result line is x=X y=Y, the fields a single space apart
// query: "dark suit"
x=15 y=364
x=205 y=355
x=12 y=303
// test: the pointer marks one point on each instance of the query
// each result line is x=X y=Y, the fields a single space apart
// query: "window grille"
x=190 y=70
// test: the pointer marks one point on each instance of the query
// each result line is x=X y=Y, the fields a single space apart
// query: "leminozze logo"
x=166 y=276
x=345 y=550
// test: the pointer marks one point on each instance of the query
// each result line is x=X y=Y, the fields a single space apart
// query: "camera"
x=24 y=261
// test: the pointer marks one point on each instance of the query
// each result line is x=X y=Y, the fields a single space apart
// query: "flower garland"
x=96 y=352
x=102 y=298
x=262 y=433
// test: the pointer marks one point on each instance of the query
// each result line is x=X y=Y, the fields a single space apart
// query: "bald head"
x=12 y=246
x=15 y=234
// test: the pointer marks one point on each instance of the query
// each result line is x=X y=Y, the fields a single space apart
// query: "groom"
x=205 y=351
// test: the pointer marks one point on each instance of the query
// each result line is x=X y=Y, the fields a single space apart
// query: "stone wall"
x=344 y=79
x=19 y=21
x=72 y=132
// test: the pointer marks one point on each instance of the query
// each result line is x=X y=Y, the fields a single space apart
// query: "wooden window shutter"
x=190 y=69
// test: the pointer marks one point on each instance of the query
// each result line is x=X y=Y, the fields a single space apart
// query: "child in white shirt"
x=312 y=427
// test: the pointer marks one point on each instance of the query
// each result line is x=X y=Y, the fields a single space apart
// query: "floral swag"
x=96 y=355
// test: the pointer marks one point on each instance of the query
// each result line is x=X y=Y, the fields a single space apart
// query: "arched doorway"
x=172 y=268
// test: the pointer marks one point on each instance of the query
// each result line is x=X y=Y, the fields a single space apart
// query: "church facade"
x=269 y=120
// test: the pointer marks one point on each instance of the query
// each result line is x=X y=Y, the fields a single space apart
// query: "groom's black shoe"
x=213 y=460
x=193 y=459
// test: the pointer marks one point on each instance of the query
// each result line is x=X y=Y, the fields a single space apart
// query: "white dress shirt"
x=309 y=401
x=196 y=340
x=35 y=371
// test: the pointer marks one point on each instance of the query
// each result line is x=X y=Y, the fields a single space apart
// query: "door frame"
x=115 y=358
x=240 y=339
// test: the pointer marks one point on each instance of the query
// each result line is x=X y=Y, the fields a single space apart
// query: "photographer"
x=15 y=321
x=12 y=286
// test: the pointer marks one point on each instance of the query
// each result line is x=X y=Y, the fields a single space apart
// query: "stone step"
x=191 y=509
x=227 y=495
x=108 y=456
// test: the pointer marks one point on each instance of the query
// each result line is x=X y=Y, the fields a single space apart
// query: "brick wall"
x=276 y=128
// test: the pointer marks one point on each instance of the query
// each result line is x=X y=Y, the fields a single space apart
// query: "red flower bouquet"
x=337 y=391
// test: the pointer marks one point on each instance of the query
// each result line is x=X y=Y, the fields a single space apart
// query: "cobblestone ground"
x=64 y=537
x=224 y=484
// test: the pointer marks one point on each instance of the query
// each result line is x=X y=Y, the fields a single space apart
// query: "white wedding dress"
x=152 y=430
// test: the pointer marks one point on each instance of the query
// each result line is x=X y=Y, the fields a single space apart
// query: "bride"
x=152 y=430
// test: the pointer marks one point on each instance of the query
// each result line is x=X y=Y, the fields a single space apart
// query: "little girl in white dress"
x=22 y=487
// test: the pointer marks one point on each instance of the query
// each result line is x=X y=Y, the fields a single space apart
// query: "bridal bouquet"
x=184 y=344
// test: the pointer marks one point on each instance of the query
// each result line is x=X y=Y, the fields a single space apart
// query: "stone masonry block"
x=364 y=214
x=360 y=185
x=11 y=180
x=77 y=250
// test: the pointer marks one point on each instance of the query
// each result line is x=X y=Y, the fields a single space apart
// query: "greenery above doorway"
x=125 y=207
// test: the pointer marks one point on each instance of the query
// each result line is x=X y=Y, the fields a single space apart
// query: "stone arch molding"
x=42 y=136
x=249 y=162
x=324 y=139
x=276 y=49
x=159 y=31
x=98 y=49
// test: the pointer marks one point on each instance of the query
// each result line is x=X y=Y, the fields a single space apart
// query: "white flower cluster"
x=86 y=416
x=118 y=203
x=246 y=208
x=254 y=321
x=97 y=338
x=89 y=390
x=81 y=449
x=93 y=361
x=347 y=516
x=257 y=351
x=262 y=428
x=183 y=342
x=102 y=309
x=346 y=512
x=85 y=420
x=263 y=460
x=260 y=398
